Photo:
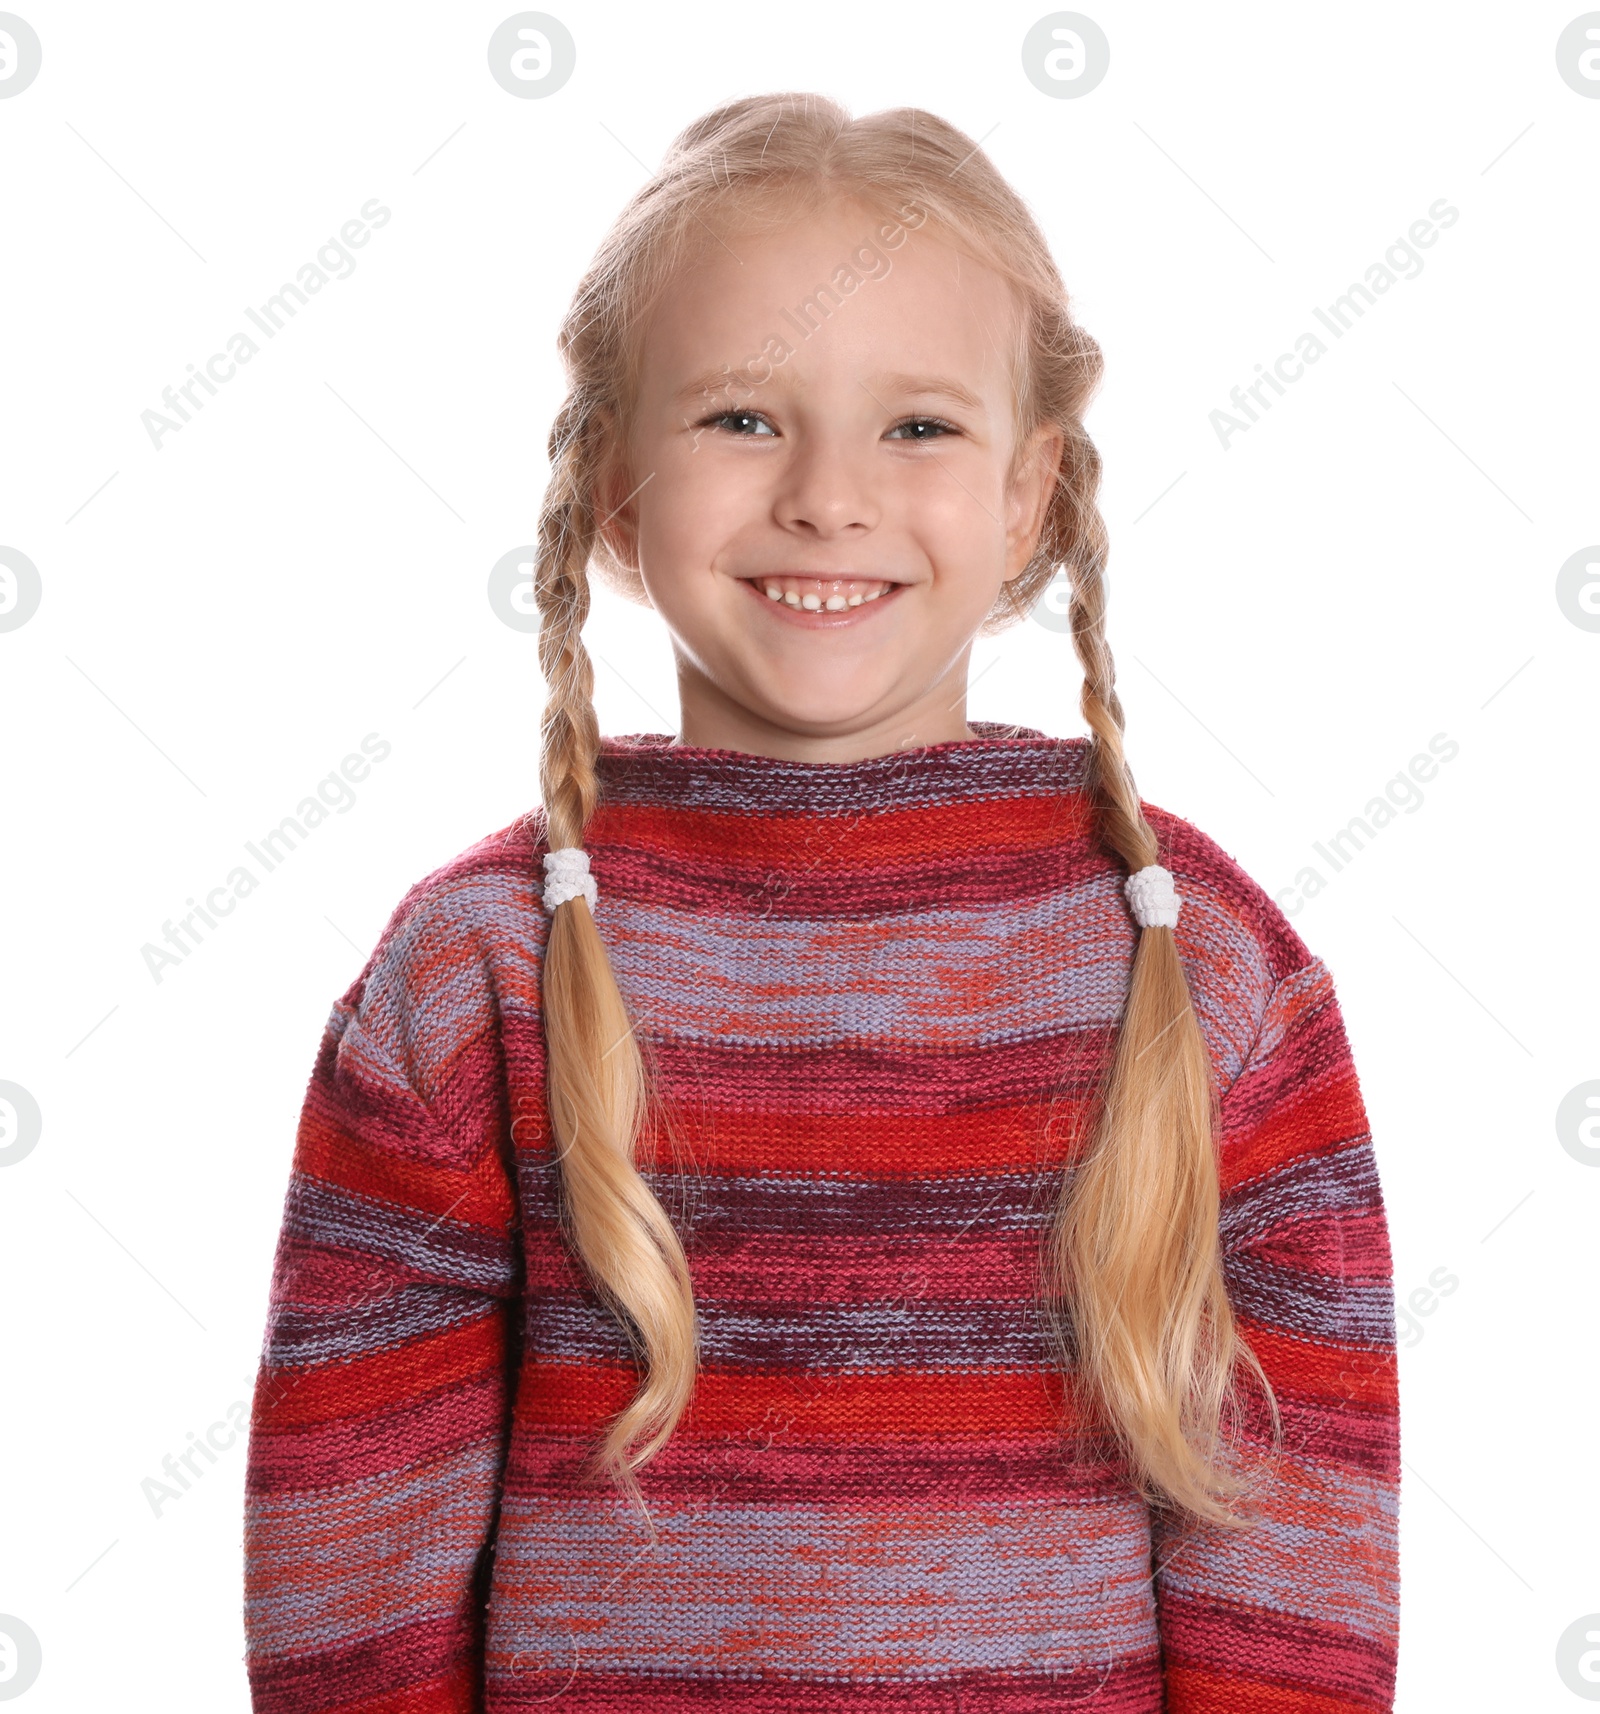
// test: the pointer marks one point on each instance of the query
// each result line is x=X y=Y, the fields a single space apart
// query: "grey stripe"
x=1345 y=1182
x=1313 y=1306
x=822 y=1594
x=432 y=1248
x=301 y=1335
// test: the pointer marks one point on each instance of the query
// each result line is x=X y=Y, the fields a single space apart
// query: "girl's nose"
x=825 y=490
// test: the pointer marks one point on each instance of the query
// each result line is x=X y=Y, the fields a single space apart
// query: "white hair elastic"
x=566 y=876
x=1152 y=897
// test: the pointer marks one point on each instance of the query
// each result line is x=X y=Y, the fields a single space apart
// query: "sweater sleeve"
x=1302 y=1611
x=381 y=1404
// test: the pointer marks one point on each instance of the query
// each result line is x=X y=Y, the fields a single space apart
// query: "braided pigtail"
x=1135 y=1247
x=595 y=1069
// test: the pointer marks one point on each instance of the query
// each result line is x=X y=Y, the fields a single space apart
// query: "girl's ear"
x=616 y=556
x=612 y=523
x=1029 y=497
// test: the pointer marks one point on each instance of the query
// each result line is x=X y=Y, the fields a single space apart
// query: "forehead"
x=846 y=290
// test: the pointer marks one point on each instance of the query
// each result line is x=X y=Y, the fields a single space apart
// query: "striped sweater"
x=879 y=995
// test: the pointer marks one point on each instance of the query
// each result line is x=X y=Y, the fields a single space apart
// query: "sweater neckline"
x=986 y=733
x=1000 y=760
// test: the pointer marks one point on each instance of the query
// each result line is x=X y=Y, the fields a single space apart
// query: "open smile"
x=823 y=601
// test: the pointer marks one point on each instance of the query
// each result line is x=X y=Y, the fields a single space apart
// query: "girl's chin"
x=816 y=708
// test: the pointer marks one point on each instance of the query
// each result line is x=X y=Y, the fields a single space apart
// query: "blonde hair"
x=1133 y=1257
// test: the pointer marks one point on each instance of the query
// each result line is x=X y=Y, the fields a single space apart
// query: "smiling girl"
x=845 y=1206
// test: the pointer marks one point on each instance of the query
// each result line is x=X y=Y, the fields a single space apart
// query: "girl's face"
x=814 y=487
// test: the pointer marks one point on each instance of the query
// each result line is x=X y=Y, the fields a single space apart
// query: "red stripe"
x=1010 y=1137
x=363 y=1443
x=1015 y=824
x=291 y=1398
x=833 y=1405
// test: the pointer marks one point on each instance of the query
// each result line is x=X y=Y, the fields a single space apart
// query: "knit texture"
x=879 y=997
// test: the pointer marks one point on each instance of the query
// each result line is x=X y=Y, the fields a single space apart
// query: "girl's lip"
x=820 y=618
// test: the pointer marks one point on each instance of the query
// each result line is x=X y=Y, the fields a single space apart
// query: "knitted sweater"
x=878 y=995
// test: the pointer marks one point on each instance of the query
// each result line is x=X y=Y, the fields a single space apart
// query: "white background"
x=306 y=562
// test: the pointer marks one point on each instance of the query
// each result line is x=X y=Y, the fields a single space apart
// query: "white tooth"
x=790 y=596
x=811 y=602
x=835 y=602
x=872 y=595
x=853 y=600
x=774 y=592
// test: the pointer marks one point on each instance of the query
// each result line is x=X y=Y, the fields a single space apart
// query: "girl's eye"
x=722 y=417
x=936 y=423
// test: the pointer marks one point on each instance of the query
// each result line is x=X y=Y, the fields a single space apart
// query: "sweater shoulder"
x=1238 y=947
x=469 y=892
x=1216 y=877
x=458 y=953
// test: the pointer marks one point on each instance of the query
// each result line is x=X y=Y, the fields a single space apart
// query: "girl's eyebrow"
x=703 y=386
x=939 y=386
x=715 y=381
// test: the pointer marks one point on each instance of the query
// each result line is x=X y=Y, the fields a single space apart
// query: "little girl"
x=845 y=1207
